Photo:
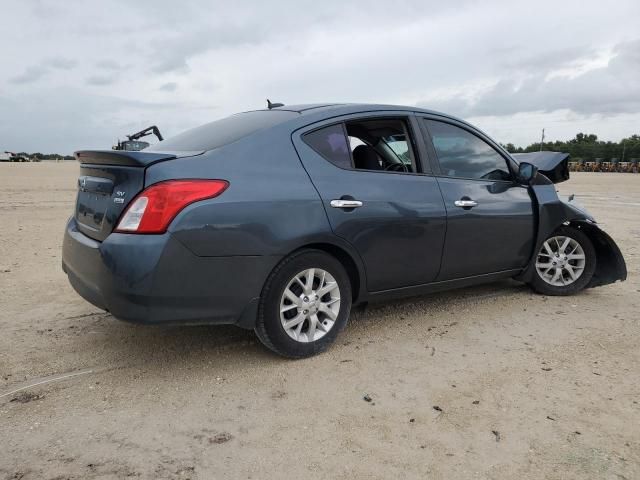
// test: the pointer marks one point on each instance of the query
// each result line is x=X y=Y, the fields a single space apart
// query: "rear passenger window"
x=331 y=143
x=382 y=144
x=462 y=154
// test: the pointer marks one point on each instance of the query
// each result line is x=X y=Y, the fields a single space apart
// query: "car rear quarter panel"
x=270 y=207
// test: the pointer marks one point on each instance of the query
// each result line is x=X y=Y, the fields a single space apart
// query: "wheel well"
x=347 y=262
x=610 y=265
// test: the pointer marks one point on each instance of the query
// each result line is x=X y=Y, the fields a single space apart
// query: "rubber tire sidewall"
x=540 y=286
x=269 y=328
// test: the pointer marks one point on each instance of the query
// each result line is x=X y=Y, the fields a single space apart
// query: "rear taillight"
x=153 y=209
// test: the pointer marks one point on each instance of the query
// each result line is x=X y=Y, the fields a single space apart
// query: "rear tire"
x=565 y=263
x=305 y=303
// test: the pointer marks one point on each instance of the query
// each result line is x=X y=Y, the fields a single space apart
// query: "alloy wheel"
x=310 y=305
x=560 y=261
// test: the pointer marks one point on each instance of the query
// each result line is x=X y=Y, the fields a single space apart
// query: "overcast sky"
x=78 y=74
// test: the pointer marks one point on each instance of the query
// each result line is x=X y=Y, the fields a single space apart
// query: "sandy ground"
x=525 y=386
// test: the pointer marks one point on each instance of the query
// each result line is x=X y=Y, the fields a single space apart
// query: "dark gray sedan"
x=280 y=220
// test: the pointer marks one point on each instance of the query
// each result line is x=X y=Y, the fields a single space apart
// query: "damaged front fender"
x=553 y=212
x=610 y=264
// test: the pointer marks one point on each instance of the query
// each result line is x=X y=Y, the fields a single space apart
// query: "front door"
x=490 y=218
x=377 y=195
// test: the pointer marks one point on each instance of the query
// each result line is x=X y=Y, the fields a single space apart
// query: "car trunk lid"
x=108 y=182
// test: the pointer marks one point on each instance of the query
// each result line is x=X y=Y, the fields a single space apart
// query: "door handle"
x=346 y=203
x=465 y=203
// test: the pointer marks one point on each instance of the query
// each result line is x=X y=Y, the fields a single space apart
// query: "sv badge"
x=119 y=198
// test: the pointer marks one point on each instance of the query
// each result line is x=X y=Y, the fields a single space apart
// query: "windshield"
x=398 y=145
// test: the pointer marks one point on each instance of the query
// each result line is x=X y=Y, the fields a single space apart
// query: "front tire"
x=305 y=303
x=565 y=263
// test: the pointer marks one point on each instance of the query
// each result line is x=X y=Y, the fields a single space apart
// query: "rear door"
x=394 y=217
x=490 y=218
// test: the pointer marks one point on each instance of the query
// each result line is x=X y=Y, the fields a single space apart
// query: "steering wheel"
x=397 y=167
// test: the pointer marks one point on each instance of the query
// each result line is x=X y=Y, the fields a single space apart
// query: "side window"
x=373 y=144
x=331 y=143
x=462 y=154
x=381 y=144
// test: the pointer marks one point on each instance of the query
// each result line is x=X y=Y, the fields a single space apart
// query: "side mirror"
x=526 y=173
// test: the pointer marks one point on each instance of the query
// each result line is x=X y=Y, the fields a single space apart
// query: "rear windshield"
x=222 y=132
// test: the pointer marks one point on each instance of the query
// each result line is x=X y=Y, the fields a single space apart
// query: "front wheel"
x=565 y=263
x=305 y=303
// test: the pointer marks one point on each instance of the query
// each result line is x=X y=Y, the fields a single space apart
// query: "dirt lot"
x=488 y=382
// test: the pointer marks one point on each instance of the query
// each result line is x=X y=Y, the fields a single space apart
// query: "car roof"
x=317 y=112
x=286 y=118
x=346 y=108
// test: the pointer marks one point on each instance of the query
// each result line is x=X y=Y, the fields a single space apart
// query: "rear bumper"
x=155 y=279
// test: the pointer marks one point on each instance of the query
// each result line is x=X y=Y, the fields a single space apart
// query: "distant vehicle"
x=133 y=144
x=13 y=157
x=279 y=220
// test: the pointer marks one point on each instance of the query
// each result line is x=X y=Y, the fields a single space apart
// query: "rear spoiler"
x=553 y=165
x=127 y=158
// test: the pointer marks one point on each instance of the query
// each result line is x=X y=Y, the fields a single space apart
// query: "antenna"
x=273 y=105
x=542 y=139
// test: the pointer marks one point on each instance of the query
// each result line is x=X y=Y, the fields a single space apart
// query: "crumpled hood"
x=553 y=165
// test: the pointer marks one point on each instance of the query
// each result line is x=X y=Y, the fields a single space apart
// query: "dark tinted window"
x=462 y=154
x=222 y=132
x=331 y=143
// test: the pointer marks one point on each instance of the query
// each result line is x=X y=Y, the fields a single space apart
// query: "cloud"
x=34 y=73
x=67 y=119
x=544 y=61
x=31 y=74
x=169 y=87
x=611 y=89
x=108 y=65
x=173 y=52
x=495 y=62
x=100 y=80
x=62 y=63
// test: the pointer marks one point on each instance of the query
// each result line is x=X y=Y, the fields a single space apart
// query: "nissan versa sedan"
x=280 y=220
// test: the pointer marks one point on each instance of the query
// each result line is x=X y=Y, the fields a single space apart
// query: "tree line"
x=586 y=146
x=45 y=156
x=49 y=156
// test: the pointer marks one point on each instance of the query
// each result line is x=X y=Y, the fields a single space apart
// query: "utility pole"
x=542 y=139
x=624 y=147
